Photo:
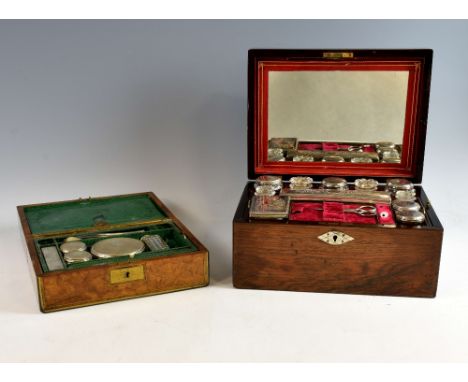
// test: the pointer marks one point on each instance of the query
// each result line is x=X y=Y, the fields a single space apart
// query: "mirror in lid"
x=337 y=113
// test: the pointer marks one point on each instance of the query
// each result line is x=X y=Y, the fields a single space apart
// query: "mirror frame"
x=417 y=62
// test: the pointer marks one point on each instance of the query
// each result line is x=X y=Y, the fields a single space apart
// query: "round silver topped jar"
x=71 y=246
x=333 y=158
x=366 y=184
x=410 y=217
x=269 y=180
x=405 y=206
x=265 y=190
x=77 y=257
x=396 y=184
x=301 y=183
x=407 y=195
x=334 y=183
x=361 y=160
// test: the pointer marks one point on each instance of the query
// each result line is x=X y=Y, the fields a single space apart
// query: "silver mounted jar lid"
x=405 y=206
x=301 y=183
x=116 y=247
x=71 y=246
x=77 y=257
x=396 y=184
x=366 y=184
x=410 y=217
x=269 y=180
x=265 y=190
x=334 y=183
x=276 y=155
x=407 y=195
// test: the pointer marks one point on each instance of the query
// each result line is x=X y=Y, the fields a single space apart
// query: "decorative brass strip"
x=338 y=55
x=107 y=227
x=123 y=275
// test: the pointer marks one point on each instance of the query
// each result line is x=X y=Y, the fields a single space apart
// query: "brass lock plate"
x=123 y=275
x=335 y=238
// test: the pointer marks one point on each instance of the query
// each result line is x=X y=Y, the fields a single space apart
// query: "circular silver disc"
x=414 y=217
x=77 y=256
x=116 y=247
x=71 y=246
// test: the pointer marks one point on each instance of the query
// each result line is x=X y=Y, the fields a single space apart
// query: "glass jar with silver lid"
x=397 y=184
x=334 y=183
x=410 y=217
x=405 y=206
x=301 y=183
x=265 y=190
x=269 y=180
x=366 y=184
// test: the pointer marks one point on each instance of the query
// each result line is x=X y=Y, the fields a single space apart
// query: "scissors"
x=362 y=210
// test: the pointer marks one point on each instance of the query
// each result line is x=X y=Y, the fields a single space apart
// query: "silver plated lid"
x=405 y=205
x=408 y=195
x=77 y=257
x=71 y=246
x=116 y=247
x=395 y=184
x=334 y=183
x=366 y=184
x=71 y=238
x=266 y=189
x=411 y=217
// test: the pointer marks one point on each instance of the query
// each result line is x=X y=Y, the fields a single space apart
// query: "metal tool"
x=361 y=210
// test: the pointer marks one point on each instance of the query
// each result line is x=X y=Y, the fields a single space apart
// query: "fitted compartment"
x=176 y=240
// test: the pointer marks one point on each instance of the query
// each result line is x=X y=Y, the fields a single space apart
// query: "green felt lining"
x=87 y=213
x=176 y=240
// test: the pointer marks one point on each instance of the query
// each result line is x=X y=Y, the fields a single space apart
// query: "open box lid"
x=85 y=214
x=356 y=97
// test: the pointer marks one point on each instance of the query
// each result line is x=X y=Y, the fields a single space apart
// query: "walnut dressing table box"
x=96 y=250
x=336 y=147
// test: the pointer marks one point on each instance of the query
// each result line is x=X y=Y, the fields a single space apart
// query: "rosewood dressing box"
x=95 y=250
x=334 y=203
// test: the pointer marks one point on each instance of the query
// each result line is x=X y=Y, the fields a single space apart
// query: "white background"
x=106 y=107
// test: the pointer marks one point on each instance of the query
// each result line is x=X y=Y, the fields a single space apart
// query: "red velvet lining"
x=336 y=212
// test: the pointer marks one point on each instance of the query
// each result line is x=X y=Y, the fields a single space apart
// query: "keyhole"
x=127 y=274
x=335 y=237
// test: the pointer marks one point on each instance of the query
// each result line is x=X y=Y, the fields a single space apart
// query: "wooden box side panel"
x=397 y=262
x=63 y=290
